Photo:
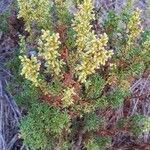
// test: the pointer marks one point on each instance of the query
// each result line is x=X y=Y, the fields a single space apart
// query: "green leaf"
x=95 y=86
x=116 y=97
x=92 y=122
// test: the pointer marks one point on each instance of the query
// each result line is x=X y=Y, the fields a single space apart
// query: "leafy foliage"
x=72 y=72
x=41 y=124
x=116 y=97
x=95 y=86
x=3 y=18
x=136 y=124
x=23 y=91
x=92 y=122
x=98 y=143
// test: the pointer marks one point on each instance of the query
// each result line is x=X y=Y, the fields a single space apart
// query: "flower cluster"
x=133 y=25
x=48 y=50
x=90 y=49
x=67 y=99
x=81 y=24
x=33 y=10
x=30 y=69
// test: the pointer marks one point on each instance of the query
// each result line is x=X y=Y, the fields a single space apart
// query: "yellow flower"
x=91 y=52
x=124 y=84
x=33 y=11
x=134 y=25
x=67 y=99
x=48 y=49
x=30 y=68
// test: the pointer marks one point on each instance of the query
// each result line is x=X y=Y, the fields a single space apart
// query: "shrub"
x=136 y=124
x=76 y=71
x=42 y=123
x=98 y=143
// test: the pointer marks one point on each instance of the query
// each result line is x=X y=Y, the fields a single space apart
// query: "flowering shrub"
x=34 y=11
x=77 y=72
x=48 y=50
x=30 y=69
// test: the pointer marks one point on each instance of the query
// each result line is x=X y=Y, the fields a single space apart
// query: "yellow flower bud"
x=48 y=50
x=33 y=11
x=67 y=99
x=90 y=49
x=30 y=68
x=133 y=26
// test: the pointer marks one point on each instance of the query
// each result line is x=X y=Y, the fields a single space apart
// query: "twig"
x=1 y=95
x=13 y=104
x=78 y=144
x=12 y=142
x=2 y=143
x=135 y=103
x=22 y=147
x=7 y=72
x=135 y=85
x=144 y=84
